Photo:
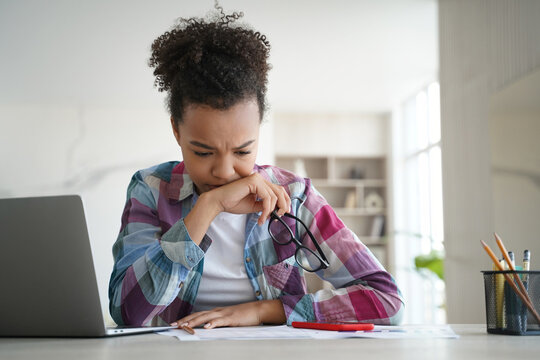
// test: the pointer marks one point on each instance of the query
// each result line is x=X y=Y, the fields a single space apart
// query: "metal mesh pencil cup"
x=505 y=312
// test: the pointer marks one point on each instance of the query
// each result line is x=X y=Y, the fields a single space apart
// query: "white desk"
x=474 y=343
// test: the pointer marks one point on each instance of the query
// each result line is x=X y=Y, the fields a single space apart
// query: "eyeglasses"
x=282 y=234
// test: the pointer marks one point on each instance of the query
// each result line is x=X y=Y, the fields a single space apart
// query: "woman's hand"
x=248 y=314
x=243 y=196
x=251 y=194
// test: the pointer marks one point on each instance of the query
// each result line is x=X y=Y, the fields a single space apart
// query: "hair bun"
x=211 y=62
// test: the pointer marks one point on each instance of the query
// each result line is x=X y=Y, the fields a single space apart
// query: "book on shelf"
x=377 y=226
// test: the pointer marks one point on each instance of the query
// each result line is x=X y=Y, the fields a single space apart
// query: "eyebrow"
x=204 y=146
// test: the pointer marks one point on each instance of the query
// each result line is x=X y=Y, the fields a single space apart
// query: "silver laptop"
x=48 y=284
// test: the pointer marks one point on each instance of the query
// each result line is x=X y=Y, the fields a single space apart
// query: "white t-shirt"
x=224 y=280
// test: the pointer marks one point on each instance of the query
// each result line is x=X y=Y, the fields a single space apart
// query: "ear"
x=176 y=131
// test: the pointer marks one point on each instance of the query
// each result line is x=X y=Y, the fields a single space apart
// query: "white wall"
x=338 y=134
x=515 y=163
x=78 y=110
x=484 y=46
x=79 y=113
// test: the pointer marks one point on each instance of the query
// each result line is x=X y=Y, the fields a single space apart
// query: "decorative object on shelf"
x=357 y=172
x=377 y=226
x=300 y=168
x=350 y=200
x=373 y=201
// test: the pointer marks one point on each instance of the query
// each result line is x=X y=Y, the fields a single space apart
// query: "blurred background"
x=417 y=119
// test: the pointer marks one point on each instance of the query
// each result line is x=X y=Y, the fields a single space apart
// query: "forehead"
x=202 y=122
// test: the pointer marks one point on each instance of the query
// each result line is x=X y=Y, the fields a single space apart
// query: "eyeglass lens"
x=307 y=259
x=280 y=232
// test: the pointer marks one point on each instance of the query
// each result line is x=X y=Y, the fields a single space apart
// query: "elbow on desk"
x=397 y=305
x=116 y=315
x=394 y=310
x=398 y=316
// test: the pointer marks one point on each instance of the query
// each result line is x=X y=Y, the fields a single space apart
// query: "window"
x=418 y=217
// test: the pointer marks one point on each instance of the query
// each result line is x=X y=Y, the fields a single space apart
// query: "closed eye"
x=202 y=154
x=243 y=153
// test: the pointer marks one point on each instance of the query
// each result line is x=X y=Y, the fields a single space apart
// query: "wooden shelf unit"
x=353 y=186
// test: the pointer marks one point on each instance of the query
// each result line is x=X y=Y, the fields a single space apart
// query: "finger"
x=265 y=202
x=273 y=203
x=217 y=322
x=205 y=317
x=284 y=202
x=188 y=319
x=289 y=203
x=269 y=204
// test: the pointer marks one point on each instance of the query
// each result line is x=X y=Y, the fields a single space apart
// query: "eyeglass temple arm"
x=323 y=256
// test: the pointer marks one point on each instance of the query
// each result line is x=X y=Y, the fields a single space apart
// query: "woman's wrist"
x=271 y=312
x=200 y=217
x=208 y=203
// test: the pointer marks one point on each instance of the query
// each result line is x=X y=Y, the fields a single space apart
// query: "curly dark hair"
x=216 y=63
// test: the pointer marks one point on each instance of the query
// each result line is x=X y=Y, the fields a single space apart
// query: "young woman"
x=217 y=240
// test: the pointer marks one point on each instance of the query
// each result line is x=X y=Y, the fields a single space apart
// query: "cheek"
x=245 y=167
x=195 y=168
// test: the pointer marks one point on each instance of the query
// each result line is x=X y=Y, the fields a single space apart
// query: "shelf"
x=335 y=167
x=373 y=240
x=355 y=187
x=359 y=211
x=313 y=166
x=349 y=182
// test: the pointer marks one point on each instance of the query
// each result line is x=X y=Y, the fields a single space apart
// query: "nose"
x=223 y=168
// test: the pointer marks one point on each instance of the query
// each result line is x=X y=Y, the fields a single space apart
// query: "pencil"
x=523 y=297
x=511 y=265
x=188 y=329
x=498 y=283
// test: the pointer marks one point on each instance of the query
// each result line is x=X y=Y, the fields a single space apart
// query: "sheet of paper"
x=410 y=332
x=287 y=332
x=248 y=333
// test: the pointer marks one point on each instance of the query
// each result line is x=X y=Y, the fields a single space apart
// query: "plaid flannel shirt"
x=158 y=267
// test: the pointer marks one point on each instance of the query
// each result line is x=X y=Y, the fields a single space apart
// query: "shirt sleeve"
x=364 y=290
x=148 y=265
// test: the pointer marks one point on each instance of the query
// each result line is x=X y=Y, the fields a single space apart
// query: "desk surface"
x=474 y=342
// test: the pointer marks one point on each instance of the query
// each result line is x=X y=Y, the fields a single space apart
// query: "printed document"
x=287 y=332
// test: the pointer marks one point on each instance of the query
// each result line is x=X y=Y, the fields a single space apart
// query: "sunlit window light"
x=418 y=212
x=422 y=127
x=434 y=113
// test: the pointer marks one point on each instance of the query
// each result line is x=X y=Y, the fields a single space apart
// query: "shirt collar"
x=180 y=185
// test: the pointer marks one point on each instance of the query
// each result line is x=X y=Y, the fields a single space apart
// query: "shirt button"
x=258 y=293
x=286 y=266
x=248 y=259
x=181 y=285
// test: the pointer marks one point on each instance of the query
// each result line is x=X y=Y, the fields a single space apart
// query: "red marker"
x=333 y=327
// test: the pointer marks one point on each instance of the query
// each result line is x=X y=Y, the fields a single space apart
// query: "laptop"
x=47 y=280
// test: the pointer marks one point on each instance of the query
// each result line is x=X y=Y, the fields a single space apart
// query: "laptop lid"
x=48 y=281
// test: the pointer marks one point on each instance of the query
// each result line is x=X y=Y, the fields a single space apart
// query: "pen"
x=512 y=259
x=526 y=265
x=526 y=260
